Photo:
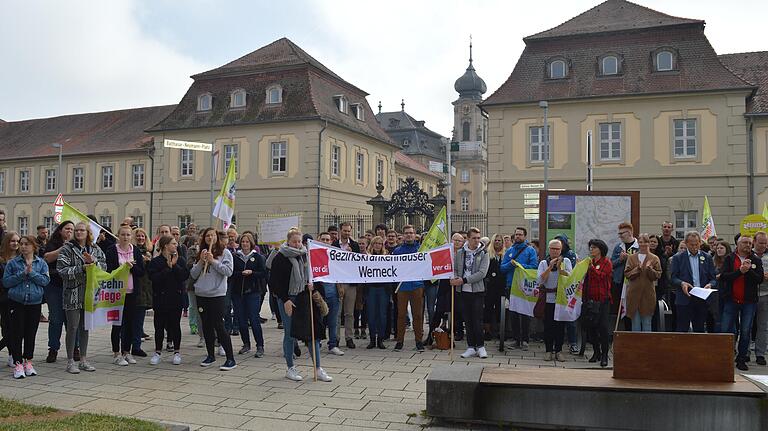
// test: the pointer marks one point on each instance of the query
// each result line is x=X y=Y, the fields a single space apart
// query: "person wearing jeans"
x=761 y=315
x=245 y=286
x=53 y=291
x=641 y=271
x=377 y=300
x=692 y=268
x=346 y=243
x=410 y=292
x=521 y=253
x=740 y=279
x=331 y=294
x=470 y=267
x=549 y=271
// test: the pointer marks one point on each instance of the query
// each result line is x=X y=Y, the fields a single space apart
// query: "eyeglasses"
x=80 y=230
x=623 y=232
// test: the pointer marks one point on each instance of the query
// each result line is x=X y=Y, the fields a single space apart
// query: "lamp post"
x=544 y=105
x=59 y=177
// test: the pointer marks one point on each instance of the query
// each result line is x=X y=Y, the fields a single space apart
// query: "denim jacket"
x=26 y=288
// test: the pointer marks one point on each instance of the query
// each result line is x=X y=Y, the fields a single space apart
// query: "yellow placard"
x=752 y=224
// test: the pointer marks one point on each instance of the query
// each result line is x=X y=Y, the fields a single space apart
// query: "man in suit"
x=740 y=280
x=349 y=291
x=691 y=268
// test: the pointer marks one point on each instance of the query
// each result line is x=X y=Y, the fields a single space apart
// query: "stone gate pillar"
x=379 y=204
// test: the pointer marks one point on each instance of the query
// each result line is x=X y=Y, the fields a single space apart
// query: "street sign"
x=534 y=202
x=531 y=216
x=187 y=145
x=58 y=208
x=531 y=210
x=532 y=186
x=435 y=166
x=531 y=195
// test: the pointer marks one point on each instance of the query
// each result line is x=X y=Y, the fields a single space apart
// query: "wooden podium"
x=673 y=356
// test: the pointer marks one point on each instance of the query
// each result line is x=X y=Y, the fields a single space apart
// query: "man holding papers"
x=692 y=268
x=742 y=274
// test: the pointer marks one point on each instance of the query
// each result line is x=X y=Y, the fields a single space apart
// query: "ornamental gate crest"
x=409 y=204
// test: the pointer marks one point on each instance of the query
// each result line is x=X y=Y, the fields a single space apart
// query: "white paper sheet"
x=702 y=293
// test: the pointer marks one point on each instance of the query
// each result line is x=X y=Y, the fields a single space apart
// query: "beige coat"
x=641 y=293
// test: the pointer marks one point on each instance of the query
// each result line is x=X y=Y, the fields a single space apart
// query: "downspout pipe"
x=751 y=165
x=319 y=170
x=150 y=154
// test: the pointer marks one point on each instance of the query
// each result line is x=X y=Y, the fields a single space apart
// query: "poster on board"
x=272 y=231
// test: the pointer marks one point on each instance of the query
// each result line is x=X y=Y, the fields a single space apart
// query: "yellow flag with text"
x=438 y=233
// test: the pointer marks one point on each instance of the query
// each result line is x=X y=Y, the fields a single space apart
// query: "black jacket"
x=352 y=244
x=244 y=284
x=168 y=285
x=752 y=278
x=495 y=280
x=300 y=320
x=137 y=270
x=280 y=276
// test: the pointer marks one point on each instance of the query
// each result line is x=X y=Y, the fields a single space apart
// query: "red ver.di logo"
x=319 y=259
x=113 y=316
x=441 y=262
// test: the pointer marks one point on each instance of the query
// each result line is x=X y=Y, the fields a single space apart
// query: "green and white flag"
x=105 y=296
x=437 y=234
x=71 y=213
x=224 y=208
x=524 y=291
x=569 y=290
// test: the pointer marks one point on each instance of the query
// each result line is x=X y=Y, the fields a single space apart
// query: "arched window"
x=558 y=69
x=465 y=131
x=610 y=65
x=664 y=61
x=274 y=94
x=204 y=102
x=237 y=98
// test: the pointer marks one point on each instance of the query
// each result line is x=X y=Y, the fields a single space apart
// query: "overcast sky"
x=63 y=57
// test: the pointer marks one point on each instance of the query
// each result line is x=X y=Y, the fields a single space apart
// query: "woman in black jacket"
x=245 y=283
x=496 y=288
x=129 y=333
x=168 y=271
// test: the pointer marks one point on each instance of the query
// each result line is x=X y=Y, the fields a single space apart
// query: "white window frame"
x=204 y=102
x=231 y=151
x=685 y=138
x=671 y=61
x=379 y=171
x=357 y=111
x=78 y=178
x=605 y=70
x=359 y=166
x=465 y=174
x=406 y=143
x=552 y=69
x=137 y=175
x=184 y=221
x=24 y=180
x=335 y=160
x=685 y=221
x=23 y=225
x=274 y=89
x=233 y=98
x=50 y=180
x=537 y=132
x=138 y=220
x=106 y=220
x=187 y=163
x=279 y=157
x=341 y=103
x=609 y=143
x=49 y=223
x=464 y=202
x=107 y=177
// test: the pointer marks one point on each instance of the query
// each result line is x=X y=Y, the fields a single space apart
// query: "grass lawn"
x=16 y=416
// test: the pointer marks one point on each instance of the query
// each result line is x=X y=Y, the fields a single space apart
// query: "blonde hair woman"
x=377 y=300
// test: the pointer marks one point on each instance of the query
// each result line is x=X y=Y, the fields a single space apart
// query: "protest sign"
x=105 y=296
x=569 y=290
x=272 y=231
x=524 y=291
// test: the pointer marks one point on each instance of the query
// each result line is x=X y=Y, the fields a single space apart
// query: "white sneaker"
x=72 y=367
x=177 y=358
x=469 y=353
x=10 y=362
x=524 y=346
x=29 y=370
x=18 y=371
x=86 y=366
x=323 y=376
x=336 y=351
x=201 y=342
x=119 y=360
x=293 y=374
x=482 y=353
x=129 y=358
x=222 y=352
x=155 y=359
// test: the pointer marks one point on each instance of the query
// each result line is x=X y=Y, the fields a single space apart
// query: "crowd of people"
x=219 y=280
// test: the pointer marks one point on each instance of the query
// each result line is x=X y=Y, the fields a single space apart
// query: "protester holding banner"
x=349 y=291
x=73 y=258
x=410 y=292
x=289 y=276
x=469 y=269
x=520 y=253
x=24 y=280
x=377 y=300
x=9 y=249
x=550 y=270
x=168 y=272
x=128 y=333
x=144 y=299
x=642 y=270
x=444 y=296
x=213 y=267
x=249 y=271
x=54 y=290
x=597 y=301
x=330 y=292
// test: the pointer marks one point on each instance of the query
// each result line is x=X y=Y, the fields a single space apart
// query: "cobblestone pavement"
x=371 y=389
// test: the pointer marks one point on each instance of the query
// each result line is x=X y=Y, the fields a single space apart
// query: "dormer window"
x=204 y=102
x=609 y=65
x=237 y=99
x=357 y=111
x=406 y=142
x=558 y=69
x=341 y=103
x=665 y=61
x=274 y=95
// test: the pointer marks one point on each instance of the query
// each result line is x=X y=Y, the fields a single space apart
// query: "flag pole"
x=618 y=314
x=312 y=331
x=451 y=334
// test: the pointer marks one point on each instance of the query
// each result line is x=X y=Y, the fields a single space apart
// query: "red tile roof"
x=100 y=132
x=613 y=15
x=753 y=68
x=402 y=159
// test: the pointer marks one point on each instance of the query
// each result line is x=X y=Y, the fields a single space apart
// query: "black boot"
x=429 y=340
x=604 y=360
x=380 y=343
x=372 y=343
x=596 y=354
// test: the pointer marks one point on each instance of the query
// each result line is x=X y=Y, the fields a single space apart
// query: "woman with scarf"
x=470 y=268
x=129 y=333
x=53 y=291
x=213 y=267
x=74 y=257
x=289 y=277
x=245 y=285
x=377 y=300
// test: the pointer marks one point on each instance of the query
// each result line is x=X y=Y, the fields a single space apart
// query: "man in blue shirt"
x=691 y=268
x=522 y=253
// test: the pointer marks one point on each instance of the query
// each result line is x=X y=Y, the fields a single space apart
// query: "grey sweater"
x=214 y=282
x=475 y=276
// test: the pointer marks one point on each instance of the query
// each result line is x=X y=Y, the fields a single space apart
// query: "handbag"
x=538 y=309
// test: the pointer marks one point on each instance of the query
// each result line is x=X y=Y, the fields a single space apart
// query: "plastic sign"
x=752 y=224
x=187 y=145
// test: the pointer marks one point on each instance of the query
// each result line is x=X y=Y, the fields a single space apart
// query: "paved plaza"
x=372 y=389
